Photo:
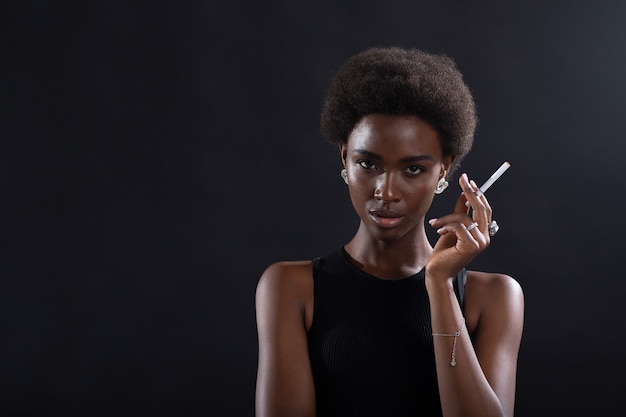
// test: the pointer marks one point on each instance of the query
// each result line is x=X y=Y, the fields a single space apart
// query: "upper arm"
x=284 y=377
x=498 y=334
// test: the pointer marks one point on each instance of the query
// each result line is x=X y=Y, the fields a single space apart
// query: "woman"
x=389 y=325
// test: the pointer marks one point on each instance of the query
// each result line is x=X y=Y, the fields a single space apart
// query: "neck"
x=389 y=259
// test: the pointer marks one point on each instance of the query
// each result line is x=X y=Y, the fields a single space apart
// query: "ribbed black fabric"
x=371 y=344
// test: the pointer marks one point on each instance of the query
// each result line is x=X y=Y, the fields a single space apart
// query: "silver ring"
x=493 y=228
x=471 y=226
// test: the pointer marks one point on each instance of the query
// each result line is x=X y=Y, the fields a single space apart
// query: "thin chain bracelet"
x=455 y=335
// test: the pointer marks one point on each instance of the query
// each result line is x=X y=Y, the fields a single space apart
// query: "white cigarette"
x=505 y=165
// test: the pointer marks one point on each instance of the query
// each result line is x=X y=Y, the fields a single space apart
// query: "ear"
x=446 y=164
x=343 y=152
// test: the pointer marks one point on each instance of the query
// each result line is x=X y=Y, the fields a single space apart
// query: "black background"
x=155 y=157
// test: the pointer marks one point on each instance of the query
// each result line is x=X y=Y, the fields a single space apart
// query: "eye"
x=414 y=170
x=363 y=163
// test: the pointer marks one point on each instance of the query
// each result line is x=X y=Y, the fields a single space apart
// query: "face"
x=393 y=165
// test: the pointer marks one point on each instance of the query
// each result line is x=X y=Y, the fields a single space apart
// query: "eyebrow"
x=406 y=159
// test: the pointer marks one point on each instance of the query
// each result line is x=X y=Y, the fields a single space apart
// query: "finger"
x=481 y=211
x=485 y=207
x=463 y=228
x=484 y=200
x=461 y=207
x=471 y=226
x=470 y=191
x=451 y=219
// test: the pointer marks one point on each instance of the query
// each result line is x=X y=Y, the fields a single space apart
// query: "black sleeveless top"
x=371 y=344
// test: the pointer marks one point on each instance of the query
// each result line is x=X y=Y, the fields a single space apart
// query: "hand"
x=457 y=245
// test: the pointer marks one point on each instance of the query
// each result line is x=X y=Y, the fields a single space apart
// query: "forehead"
x=395 y=136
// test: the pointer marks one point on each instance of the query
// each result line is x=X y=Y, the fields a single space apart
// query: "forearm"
x=464 y=388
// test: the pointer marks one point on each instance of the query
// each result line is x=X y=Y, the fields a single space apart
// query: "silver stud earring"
x=442 y=184
x=344 y=175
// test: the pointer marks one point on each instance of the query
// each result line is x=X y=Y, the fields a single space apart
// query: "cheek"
x=421 y=194
x=420 y=186
x=360 y=191
x=359 y=181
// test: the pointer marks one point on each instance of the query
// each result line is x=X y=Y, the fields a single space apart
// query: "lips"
x=386 y=218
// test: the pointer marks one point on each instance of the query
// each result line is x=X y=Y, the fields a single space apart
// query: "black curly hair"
x=399 y=81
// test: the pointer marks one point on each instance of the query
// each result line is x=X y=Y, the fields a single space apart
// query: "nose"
x=387 y=188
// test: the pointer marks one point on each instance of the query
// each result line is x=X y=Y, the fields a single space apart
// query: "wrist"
x=436 y=283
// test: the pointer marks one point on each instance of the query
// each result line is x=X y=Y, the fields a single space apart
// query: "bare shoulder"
x=286 y=280
x=493 y=284
x=493 y=295
x=286 y=274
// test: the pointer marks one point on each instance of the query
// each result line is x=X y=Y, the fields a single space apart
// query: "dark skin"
x=393 y=165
